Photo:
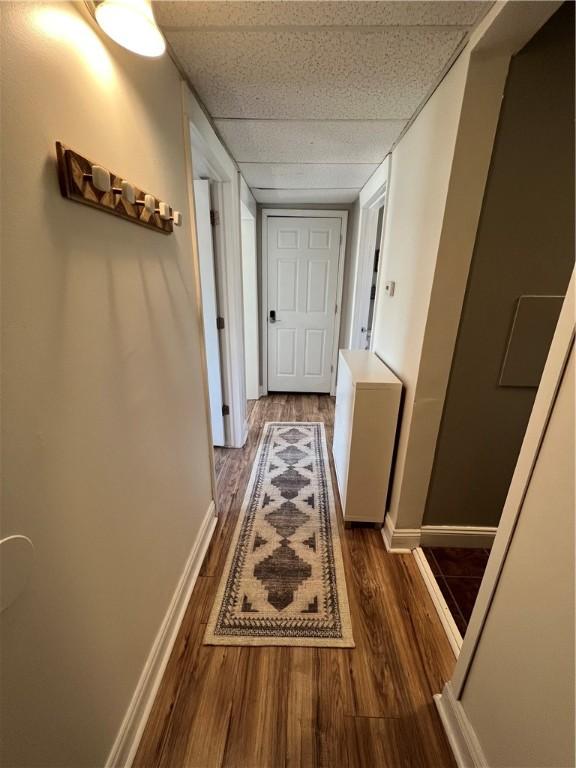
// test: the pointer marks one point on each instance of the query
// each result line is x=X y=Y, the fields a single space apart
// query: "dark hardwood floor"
x=262 y=707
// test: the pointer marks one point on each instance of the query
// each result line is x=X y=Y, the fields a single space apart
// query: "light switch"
x=389 y=288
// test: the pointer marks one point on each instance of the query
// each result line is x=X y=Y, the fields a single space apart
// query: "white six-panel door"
x=303 y=258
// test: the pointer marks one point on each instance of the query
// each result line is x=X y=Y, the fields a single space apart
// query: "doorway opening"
x=371 y=233
x=209 y=161
x=367 y=329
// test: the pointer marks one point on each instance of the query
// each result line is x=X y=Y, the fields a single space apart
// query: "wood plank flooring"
x=240 y=707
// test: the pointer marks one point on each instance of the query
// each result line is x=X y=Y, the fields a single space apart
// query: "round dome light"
x=131 y=24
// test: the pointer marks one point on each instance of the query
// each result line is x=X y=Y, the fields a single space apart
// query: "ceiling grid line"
x=311 y=97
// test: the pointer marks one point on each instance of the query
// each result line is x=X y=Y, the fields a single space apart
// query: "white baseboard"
x=399 y=540
x=124 y=749
x=452 y=631
x=457 y=536
x=461 y=736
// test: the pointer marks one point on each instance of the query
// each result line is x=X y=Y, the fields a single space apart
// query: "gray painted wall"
x=524 y=245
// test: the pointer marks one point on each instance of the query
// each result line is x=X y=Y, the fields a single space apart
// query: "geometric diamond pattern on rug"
x=287 y=519
x=283 y=581
x=258 y=542
x=282 y=572
x=313 y=607
x=290 y=483
x=311 y=542
x=247 y=606
x=292 y=435
x=291 y=454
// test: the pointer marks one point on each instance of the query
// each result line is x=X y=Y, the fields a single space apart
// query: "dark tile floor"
x=458 y=572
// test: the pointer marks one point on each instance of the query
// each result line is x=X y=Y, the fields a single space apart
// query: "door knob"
x=272 y=315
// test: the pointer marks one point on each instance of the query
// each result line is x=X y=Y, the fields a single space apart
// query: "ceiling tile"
x=323 y=73
x=345 y=12
x=304 y=196
x=292 y=141
x=302 y=176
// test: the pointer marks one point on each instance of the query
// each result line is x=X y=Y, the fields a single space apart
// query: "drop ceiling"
x=309 y=97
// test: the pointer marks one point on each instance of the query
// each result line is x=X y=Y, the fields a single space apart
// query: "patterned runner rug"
x=283 y=582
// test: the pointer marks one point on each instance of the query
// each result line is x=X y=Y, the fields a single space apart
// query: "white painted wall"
x=519 y=692
x=439 y=170
x=250 y=297
x=421 y=165
x=105 y=439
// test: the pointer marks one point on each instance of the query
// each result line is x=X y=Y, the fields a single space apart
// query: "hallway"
x=253 y=252
x=270 y=707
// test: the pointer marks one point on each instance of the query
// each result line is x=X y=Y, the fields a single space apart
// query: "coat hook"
x=149 y=203
x=126 y=191
x=167 y=214
x=164 y=211
x=100 y=178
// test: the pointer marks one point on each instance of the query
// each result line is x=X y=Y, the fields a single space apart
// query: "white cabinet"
x=367 y=404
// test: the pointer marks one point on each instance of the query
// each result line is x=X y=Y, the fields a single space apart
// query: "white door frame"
x=200 y=137
x=373 y=196
x=300 y=213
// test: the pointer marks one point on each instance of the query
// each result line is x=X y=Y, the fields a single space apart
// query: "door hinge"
x=225 y=410
x=220 y=323
x=331 y=369
x=336 y=309
x=214 y=218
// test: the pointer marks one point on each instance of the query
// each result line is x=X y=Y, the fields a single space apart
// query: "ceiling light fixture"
x=131 y=24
